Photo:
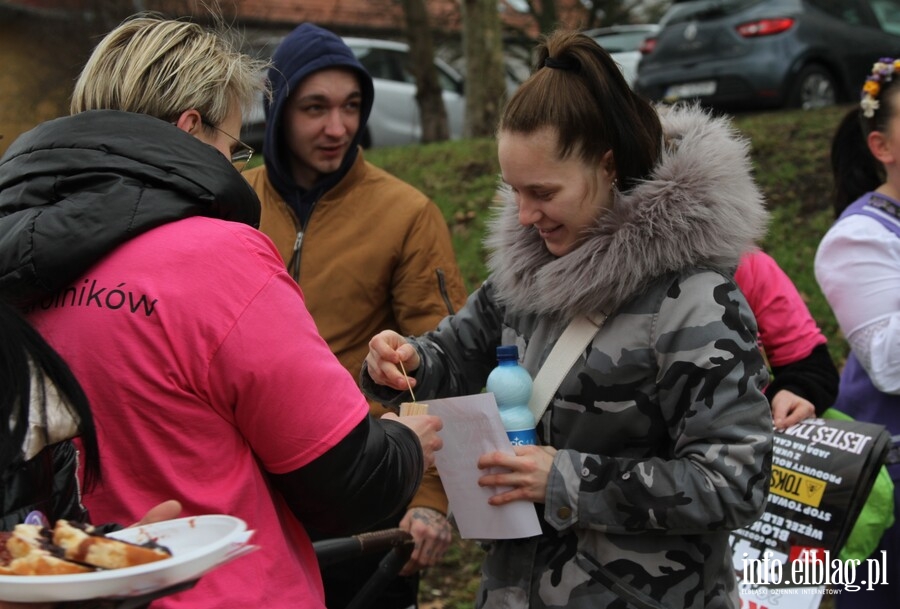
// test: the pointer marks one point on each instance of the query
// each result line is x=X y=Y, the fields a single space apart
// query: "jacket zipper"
x=294 y=266
x=442 y=287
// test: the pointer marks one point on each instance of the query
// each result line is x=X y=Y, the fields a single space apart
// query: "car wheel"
x=814 y=88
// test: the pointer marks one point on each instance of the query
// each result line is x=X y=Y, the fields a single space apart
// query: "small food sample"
x=69 y=547
x=413 y=408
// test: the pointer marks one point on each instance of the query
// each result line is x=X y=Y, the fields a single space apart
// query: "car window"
x=446 y=81
x=380 y=63
x=848 y=12
x=698 y=10
x=394 y=65
x=887 y=12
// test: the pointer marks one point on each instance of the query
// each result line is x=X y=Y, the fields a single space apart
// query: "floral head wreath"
x=883 y=72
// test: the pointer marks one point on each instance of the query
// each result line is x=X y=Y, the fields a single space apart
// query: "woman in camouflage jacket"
x=658 y=442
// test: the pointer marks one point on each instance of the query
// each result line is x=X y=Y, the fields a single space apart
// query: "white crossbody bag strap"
x=572 y=343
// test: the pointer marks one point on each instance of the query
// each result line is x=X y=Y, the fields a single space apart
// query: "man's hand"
x=432 y=534
x=426 y=427
x=167 y=510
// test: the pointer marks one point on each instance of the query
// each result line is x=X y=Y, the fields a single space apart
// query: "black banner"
x=822 y=473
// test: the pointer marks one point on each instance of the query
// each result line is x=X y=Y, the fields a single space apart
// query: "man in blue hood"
x=369 y=251
x=310 y=51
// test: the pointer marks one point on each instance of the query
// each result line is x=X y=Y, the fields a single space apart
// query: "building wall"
x=39 y=62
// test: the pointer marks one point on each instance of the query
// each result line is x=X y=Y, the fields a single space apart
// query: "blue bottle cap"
x=508 y=352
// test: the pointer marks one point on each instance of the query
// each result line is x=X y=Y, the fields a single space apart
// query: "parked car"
x=624 y=44
x=395 y=114
x=394 y=120
x=753 y=54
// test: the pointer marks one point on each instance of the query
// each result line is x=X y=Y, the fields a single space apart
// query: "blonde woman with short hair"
x=130 y=241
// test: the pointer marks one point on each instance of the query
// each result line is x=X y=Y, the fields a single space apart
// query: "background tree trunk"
x=432 y=112
x=485 y=73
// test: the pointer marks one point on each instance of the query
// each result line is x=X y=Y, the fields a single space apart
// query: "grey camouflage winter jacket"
x=663 y=433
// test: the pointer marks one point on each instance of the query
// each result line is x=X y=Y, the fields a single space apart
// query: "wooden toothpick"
x=411 y=408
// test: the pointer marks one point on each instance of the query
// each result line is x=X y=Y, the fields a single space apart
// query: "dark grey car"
x=752 y=54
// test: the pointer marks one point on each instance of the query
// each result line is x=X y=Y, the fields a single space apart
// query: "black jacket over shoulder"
x=67 y=190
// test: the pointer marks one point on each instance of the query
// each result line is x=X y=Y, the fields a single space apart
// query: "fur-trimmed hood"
x=699 y=208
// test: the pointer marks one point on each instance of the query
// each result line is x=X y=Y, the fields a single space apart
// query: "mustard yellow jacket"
x=375 y=255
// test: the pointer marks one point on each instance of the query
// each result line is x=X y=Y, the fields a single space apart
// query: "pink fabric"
x=204 y=369
x=787 y=330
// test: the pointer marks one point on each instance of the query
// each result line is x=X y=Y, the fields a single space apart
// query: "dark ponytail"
x=21 y=349
x=854 y=170
x=577 y=89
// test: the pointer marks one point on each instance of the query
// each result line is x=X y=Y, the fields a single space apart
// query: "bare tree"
x=549 y=14
x=611 y=12
x=428 y=90
x=485 y=83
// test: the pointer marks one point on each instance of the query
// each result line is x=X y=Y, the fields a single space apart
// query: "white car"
x=394 y=120
x=624 y=44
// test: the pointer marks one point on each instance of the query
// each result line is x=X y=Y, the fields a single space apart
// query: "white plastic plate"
x=198 y=544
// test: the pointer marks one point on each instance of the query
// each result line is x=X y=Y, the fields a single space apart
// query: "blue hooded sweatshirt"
x=305 y=50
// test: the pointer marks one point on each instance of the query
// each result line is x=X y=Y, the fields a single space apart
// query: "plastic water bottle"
x=511 y=385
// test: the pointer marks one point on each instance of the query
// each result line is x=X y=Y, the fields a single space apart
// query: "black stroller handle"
x=330 y=551
x=399 y=543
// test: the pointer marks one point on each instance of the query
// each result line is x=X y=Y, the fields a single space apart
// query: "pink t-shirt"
x=787 y=330
x=205 y=370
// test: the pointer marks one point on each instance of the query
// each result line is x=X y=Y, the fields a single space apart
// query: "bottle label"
x=522 y=437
